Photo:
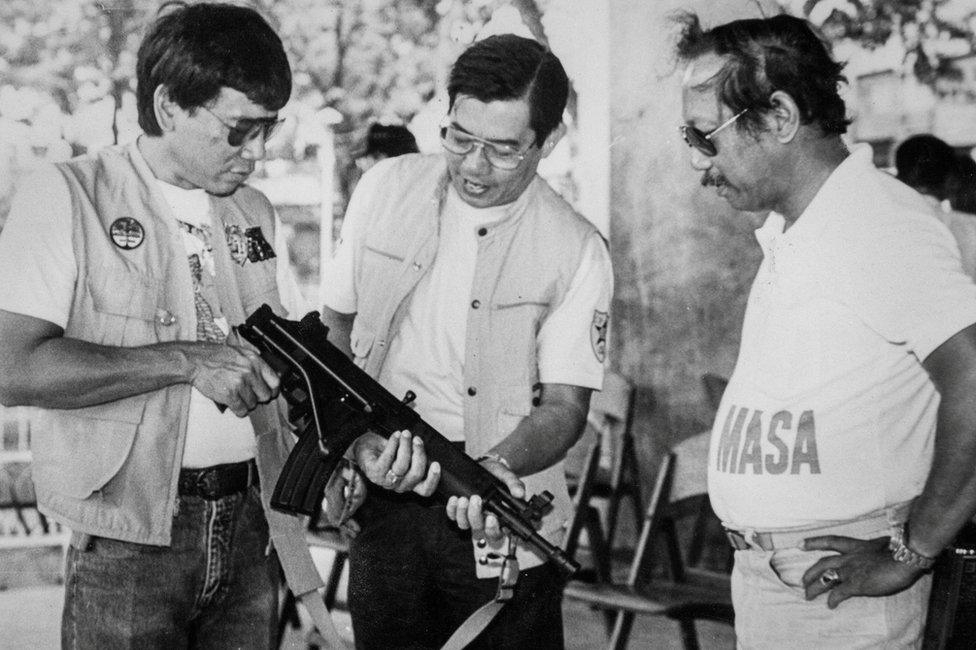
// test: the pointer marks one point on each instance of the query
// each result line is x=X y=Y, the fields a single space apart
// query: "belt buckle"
x=746 y=540
x=207 y=482
x=736 y=539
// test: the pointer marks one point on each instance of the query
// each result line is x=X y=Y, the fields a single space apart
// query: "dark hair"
x=195 y=50
x=505 y=67
x=925 y=162
x=961 y=186
x=763 y=55
x=389 y=140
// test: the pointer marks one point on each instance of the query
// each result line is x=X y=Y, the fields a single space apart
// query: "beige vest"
x=524 y=267
x=111 y=470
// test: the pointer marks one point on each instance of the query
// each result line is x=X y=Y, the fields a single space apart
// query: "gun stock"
x=332 y=402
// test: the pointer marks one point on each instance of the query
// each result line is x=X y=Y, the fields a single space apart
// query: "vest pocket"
x=78 y=455
x=258 y=286
x=514 y=404
x=125 y=307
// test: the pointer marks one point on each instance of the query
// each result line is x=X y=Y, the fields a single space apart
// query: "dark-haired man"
x=931 y=166
x=124 y=271
x=465 y=279
x=842 y=452
x=384 y=141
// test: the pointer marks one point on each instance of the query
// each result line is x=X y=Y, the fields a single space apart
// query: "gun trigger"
x=408 y=398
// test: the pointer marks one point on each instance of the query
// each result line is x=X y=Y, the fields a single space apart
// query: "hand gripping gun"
x=332 y=402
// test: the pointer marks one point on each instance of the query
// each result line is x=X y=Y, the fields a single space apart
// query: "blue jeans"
x=215 y=586
x=412 y=582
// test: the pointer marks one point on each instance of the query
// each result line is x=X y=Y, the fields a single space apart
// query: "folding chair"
x=714 y=388
x=689 y=593
x=608 y=470
x=21 y=524
x=585 y=516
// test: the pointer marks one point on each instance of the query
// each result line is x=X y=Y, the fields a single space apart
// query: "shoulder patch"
x=598 y=334
x=258 y=248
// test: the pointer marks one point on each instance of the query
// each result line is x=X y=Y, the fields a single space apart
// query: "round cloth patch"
x=127 y=233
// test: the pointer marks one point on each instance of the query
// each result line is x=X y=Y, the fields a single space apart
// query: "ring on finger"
x=830 y=578
x=392 y=477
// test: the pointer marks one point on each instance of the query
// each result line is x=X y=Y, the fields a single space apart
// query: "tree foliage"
x=928 y=35
x=364 y=58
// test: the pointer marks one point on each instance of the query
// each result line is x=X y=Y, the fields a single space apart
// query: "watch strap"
x=902 y=552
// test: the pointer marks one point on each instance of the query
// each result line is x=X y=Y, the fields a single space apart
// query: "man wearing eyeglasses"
x=464 y=278
x=123 y=272
x=843 y=450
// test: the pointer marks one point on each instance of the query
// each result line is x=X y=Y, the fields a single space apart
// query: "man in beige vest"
x=124 y=272
x=464 y=278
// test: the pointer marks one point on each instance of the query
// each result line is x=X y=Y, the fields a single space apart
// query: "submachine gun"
x=332 y=402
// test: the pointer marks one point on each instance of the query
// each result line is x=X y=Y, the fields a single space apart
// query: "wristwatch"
x=901 y=552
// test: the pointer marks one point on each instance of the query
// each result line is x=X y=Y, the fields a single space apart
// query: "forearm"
x=543 y=437
x=949 y=497
x=69 y=373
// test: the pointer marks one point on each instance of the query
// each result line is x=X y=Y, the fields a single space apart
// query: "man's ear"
x=784 y=119
x=553 y=139
x=164 y=108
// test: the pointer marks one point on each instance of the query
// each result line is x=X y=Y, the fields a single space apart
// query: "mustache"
x=710 y=179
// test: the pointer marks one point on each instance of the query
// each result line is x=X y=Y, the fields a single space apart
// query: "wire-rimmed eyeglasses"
x=499 y=155
x=701 y=140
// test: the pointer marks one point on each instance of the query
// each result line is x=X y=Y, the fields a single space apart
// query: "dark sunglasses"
x=701 y=140
x=247 y=128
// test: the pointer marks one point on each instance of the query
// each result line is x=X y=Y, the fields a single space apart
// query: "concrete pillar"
x=683 y=259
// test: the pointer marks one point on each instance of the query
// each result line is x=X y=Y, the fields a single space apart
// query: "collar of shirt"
x=831 y=199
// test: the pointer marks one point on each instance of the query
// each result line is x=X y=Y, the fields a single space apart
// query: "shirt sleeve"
x=572 y=341
x=337 y=284
x=923 y=297
x=37 y=259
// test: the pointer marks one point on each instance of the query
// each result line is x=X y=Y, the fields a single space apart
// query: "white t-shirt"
x=36 y=251
x=829 y=414
x=427 y=354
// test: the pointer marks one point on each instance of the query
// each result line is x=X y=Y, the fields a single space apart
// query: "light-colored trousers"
x=771 y=611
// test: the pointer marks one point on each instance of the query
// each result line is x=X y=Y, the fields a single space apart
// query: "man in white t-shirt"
x=464 y=279
x=124 y=272
x=842 y=452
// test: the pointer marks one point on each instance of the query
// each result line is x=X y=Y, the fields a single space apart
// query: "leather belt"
x=756 y=541
x=872 y=525
x=219 y=481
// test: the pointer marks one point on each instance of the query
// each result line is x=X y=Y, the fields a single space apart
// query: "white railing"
x=21 y=525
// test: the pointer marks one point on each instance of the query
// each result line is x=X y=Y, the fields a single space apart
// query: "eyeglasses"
x=247 y=128
x=501 y=156
x=703 y=141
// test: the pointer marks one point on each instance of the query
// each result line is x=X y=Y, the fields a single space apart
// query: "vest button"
x=482 y=560
x=482 y=232
x=482 y=542
x=475 y=304
x=472 y=391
